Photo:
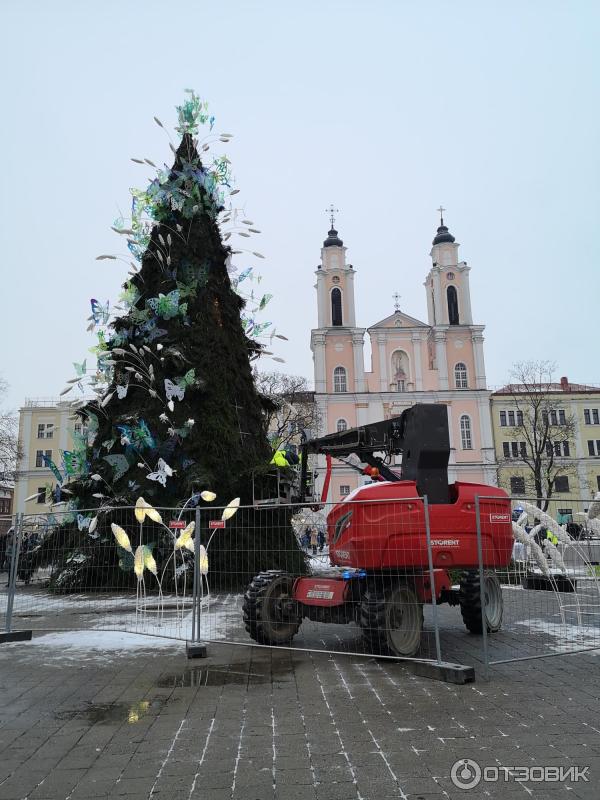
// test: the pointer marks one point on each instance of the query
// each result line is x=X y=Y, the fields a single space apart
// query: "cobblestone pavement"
x=257 y=724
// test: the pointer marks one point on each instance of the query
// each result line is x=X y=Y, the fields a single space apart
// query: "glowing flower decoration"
x=138 y=561
x=144 y=509
x=207 y=496
x=203 y=555
x=231 y=509
x=184 y=540
x=149 y=562
x=120 y=536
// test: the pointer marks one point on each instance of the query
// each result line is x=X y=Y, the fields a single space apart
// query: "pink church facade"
x=438 y=361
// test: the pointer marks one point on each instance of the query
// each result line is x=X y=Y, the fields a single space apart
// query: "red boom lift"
x=379 y=575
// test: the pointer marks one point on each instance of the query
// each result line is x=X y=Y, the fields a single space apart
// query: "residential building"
x=6 y=503
x=45 y=430
x=572 y=405
x=438 y=361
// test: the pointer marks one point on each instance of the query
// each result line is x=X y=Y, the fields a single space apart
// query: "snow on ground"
x=566 y=637
x=85 y=646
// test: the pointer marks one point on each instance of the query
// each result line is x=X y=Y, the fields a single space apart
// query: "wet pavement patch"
x=203 y=676
x=112 y=712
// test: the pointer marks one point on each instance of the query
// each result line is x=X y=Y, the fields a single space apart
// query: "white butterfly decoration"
x=173 y=390
x=83 y=522
x=163 y=471
x=122 y=391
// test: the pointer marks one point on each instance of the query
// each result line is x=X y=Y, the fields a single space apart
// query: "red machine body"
x=382 y=526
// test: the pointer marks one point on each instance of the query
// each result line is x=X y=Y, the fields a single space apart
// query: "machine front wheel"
x=271 y=614
x=391 y=618
x=470 y=602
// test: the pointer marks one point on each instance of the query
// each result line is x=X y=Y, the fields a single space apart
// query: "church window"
x=339 y=380
x=450 y=276
x=452 y=296
x=466 y=439
x=336 y=306
x=342 y=425
x=399 y=371
x=460 y=376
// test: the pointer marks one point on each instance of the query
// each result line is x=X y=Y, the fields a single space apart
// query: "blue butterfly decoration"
x=100 y=313
x=150 y=331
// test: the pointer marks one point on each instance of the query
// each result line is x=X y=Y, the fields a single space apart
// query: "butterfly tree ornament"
x=162 y=472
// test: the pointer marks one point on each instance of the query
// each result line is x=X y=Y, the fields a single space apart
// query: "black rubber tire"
x=470 y=602
x=380 y=606
x=262 y=618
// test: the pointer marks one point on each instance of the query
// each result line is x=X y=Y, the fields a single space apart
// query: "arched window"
x=339 y=380
x=400 y=373
x=336 y=306
x=460 y=376
x=452 y=296
x=466 y=439
x=342 y=425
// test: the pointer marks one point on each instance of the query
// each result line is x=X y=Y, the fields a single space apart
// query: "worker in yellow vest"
x=551 y=537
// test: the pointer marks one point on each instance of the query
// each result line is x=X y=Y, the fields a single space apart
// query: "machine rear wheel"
x=271 y=614
x=470 y=602
x=391 y=618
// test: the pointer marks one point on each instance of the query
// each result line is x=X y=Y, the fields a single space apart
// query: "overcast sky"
x=385 y=109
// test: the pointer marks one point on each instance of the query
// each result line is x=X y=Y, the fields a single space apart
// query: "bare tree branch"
x=543 y=426
x=9 y=441
x=292 y=409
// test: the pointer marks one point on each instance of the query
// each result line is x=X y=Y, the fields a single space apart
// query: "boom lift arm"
x=420 y=434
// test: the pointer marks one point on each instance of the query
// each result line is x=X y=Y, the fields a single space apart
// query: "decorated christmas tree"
x=177 y=417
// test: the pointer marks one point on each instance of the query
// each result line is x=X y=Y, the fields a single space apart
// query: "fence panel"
x=6 y=535
x=104 y=571
x=550 y=591
x=351 y=577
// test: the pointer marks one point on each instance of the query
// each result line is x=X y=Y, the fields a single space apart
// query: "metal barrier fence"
x=551 y=590
x=354 y=577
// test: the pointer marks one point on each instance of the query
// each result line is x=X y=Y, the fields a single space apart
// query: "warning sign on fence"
x=216 y=523
x=177 y=523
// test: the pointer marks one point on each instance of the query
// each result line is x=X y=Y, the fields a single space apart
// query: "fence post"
x=438 y=652
x=196 y=648
x=484 y=631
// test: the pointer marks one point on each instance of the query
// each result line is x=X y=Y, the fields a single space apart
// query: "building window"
x=452 y=296
x=591 y=416
x=460 y=376
x=339 y=380
x=342 y=425
x=41 y=497
x=465 y=433
x=561 y=483
x=39 y=457
x=555 y=417
x=517 y=484
x=503 y=419
x=514 y=449
x=344 y=489
x=598 y=482
x=594 y=447
x=45 y=430
x=511 y=419
x=336 y=306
